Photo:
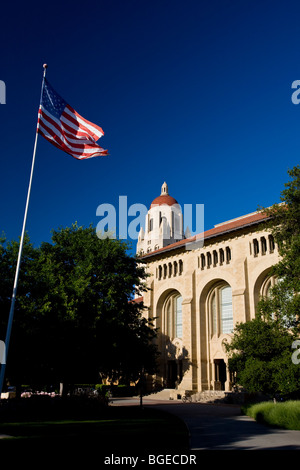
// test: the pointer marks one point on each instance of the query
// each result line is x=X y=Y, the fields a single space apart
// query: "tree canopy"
x=284 y=223
x=260 y=356
x=75 y=320
x=260 y=352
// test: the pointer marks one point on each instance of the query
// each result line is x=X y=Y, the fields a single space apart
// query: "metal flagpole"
x=13 y=299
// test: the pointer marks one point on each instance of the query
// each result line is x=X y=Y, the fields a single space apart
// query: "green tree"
x=284 y=224
x=80 y=317
x=260 y=353
x=260 y=357
x=23 y=329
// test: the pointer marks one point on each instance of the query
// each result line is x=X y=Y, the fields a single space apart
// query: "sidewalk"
x=223 y=427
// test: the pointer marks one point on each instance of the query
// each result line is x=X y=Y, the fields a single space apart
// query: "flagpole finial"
x=45 y=68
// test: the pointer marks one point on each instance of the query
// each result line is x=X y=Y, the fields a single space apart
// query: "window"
x=255 y=247
x=175 y=268
x=228 y=255
x=263 y=242
x=178 y=317
x=165 y=271
x=214 y=314
x=271 y=243
x=265 y=290
x=226 y=310
x=208 y=260
x=263 y=245
x=169 y=318
x=159 y=272
x=216 y=258
x=220 y=309
x=173 y=314
x=168 y=270
x=202 y=261
x=180 y=267
x=266 y=287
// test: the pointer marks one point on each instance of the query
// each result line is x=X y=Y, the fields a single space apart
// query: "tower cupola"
x=163 y=225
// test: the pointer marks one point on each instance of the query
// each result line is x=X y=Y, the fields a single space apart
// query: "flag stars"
x=52 y=101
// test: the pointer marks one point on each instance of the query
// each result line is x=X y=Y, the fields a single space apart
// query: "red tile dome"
x=164 y=198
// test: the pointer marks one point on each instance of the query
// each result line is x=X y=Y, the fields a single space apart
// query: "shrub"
x=283 y=415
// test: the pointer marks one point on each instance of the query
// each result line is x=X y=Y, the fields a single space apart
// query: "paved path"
x=223 y=427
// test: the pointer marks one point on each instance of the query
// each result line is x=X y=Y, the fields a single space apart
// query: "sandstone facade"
x=199 y=291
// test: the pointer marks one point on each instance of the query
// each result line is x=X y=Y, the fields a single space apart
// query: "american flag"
x=61 y=125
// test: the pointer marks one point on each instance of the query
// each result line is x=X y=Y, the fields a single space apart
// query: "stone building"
x=199 y=291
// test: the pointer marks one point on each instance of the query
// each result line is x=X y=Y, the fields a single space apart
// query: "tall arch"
x=161 y=307
x=219 y=309
x=216 y=321
x=170 y=324
x=216 y=309
x=262 y=285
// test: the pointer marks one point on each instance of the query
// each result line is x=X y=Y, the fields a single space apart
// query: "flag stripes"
x=62 y=126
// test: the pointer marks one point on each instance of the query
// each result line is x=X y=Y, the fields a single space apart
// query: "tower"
x=163 y=224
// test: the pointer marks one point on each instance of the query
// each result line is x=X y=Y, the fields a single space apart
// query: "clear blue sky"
x=194 y=93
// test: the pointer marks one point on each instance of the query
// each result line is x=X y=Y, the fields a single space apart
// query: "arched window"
x=220 y=309
x=202 y=261
x=271 y=243
x=180 y=267
x=178 y=317
x=159 y=272
x=214 y=314
x=173 y=313
x=228 y=254
x=221 y=252
x=175 y=268
x=263 y=243
x=226 y=310
x=255 y=247
x=208 y=257
x=165 y=271
x=266 y=286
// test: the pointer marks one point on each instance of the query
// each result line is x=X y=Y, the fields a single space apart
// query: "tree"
x=260 y=357
x=260 y=352
x=22 y=332
x=283 y=304
x=80 y=317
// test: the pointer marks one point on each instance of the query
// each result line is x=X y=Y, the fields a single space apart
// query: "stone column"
x=238 y=305
x=187 y=353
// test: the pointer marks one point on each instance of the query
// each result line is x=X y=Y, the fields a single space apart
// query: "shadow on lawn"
x=84 y=424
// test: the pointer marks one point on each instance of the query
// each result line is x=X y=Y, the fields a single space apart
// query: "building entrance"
x=174 y=373
x=220 y=374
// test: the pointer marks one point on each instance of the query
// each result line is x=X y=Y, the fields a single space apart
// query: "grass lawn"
x=101 y=429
